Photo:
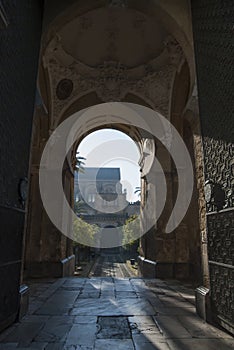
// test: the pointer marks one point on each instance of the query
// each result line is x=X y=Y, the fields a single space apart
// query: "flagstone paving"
x=113 y=313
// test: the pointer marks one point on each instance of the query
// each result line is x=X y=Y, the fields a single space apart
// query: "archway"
x=70 y=83
x=70 y=72
x=105 y=185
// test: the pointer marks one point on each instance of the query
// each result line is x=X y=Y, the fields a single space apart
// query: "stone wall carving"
x=214 y=58
x=221 y=237
x=222 y=297
x=111 y=80
x=174 y=50
x=219 y=165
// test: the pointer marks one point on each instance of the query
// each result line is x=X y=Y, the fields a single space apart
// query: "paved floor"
x=110 y=266
x=113 y=313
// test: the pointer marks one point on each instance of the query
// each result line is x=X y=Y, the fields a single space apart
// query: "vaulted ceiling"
x=117 y=34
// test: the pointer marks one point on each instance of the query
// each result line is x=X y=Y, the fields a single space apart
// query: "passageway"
x=111 y=266
x=107 y=64
x=112 y=313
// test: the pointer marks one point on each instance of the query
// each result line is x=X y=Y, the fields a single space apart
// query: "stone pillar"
x=165 y=243
x=158 y=248
x=173 y=252
x=48 y=252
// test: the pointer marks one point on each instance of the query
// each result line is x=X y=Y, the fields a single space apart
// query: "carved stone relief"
x=64 y=89
x=174 y=50
x=70 y=79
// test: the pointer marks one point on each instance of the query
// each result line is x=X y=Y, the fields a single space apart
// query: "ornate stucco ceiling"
x=112 y=52
x=113 y=34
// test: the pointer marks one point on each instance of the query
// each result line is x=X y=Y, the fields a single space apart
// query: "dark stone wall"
x=214 y=50
x=19 y=46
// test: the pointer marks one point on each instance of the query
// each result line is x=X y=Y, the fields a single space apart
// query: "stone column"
x=48 y=252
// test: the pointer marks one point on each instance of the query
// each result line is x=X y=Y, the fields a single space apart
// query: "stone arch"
x=39 y=245
x=91 y=99
x=152 y=84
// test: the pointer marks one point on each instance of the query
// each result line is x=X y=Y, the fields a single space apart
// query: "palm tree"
x=79 y=165
x=79 y=207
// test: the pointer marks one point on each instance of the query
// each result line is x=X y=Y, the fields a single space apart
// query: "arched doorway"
x=171 y=17
x=104 y=187
x=71 y=81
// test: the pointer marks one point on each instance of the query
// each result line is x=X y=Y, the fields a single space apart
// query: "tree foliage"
x=130 y=229
x=79 y=165
x=80 y=207
x=84 y=232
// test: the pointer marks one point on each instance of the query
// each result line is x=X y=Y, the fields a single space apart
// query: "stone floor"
x=111 y=266
x=113 y=313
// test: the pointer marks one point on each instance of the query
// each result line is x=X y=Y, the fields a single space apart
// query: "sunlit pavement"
x=111 y=266
x=112 y=313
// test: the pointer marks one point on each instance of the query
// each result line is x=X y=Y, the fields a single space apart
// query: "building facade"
x=103 y=202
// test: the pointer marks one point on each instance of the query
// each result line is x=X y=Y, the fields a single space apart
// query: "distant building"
x=103 y=202
x=102 y=199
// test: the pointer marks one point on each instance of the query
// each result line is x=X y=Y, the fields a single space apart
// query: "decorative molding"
x=64 y=89
x=219 y=165
x=175 y=51
x=111 y=81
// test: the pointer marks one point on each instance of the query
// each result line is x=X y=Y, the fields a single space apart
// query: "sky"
x=112 y=148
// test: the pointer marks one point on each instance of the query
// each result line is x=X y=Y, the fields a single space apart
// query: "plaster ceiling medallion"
x=64 y=89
